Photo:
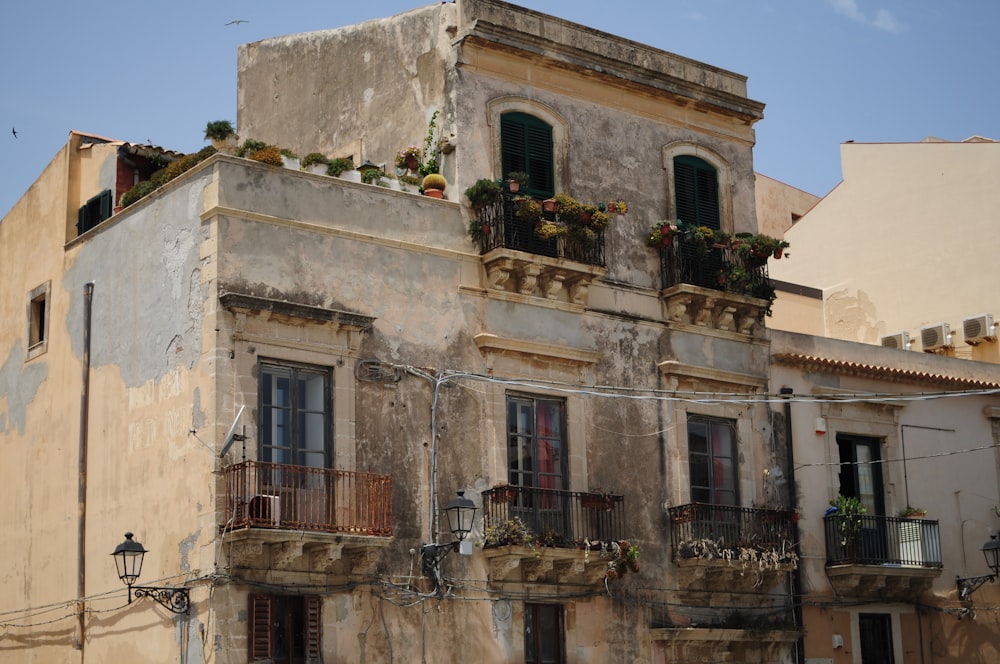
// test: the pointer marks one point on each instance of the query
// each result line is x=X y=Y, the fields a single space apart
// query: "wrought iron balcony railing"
x=719 y=267
x=866 y=539
x=724 y=527
x=282 y=496
x=562 y=519
x=503 y=229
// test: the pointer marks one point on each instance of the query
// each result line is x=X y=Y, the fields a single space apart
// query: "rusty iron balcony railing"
x=718 y=267
x=506 y=230
x=561 y=519
x=283 y=496
x=728 y=527
x=867 y=539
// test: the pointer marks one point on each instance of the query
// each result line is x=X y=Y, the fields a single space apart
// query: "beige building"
x=281 y=383
x=873 y=247
x=894 y=430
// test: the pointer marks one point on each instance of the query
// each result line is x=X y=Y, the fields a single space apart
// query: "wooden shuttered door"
x=526 y=145
x=292 y=625
x=260 y=627
x=313 y=628
x=696 y=189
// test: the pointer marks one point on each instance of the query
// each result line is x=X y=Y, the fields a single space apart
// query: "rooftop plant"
x=219 y=130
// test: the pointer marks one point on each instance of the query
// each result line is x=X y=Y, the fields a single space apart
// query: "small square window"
x=38 y=320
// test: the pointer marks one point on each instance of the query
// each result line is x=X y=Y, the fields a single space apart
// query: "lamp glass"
x=461 y=512
x=128 y=559
x=991 y=551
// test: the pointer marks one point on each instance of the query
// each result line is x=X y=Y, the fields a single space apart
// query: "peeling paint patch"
x=852 y=317
x=198 y=418
x=185 y=548
x=369 y=95
x=18 y=384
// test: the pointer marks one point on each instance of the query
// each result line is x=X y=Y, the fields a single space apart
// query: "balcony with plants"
x=873 y=556
x=723 y=547
x=536 y=535
x=553 y=248
x=712 y=278
x=284 y=516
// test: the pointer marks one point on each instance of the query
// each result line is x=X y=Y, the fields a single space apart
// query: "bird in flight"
x=13 y=131
x=237 y=21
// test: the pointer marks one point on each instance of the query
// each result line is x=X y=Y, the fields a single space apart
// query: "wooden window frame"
x=39 y=311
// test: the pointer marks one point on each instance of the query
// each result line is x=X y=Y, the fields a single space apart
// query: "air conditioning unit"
x=935 y=337
x=978 y=329
x=265 y=510
x=901 y=341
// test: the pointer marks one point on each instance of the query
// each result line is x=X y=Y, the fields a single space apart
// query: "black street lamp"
x=461 y=514
x=968 y=585
x=128 y=559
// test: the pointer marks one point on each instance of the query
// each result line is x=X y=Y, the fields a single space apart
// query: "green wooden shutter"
x=696 y=191
x=105 y=204
x=260 y=628
x=313 y=629
x=526 y=145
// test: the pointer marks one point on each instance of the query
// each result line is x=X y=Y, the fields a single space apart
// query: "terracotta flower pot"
x=434 y=193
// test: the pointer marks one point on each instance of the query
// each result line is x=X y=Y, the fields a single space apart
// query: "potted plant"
x=910 y=512
x=528 y=209
x=483 y=193
x=408 y=159
x=432 y=149
x=268 y=155
x=848 y=512
x=516 y=180
x=434 y=185
x=597 y=500
x=410 y=183
x=222 y=135
x=662 y=234
x=315 y=162
x=617 y=207
x=504 y=493
x=290 y=160
x=340 y=165
x=510 y=532
x=249 y=146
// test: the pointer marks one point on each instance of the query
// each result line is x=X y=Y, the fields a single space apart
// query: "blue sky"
x=828 y=70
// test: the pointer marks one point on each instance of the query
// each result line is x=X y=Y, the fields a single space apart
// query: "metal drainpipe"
x=793 y=491
x=81 y=588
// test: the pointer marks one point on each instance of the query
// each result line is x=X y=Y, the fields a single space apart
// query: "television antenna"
x=232 y=436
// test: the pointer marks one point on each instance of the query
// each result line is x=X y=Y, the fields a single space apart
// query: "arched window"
x=696 y=187
x=526 y=145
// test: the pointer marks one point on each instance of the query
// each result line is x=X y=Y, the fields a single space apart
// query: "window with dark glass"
x=295 y=421
x=536 y=442
x=285 y=629
x=526 y=146
x=94 y=211
x=543 y=633
x=712 y=457
x=696 y=191
x=37 y=324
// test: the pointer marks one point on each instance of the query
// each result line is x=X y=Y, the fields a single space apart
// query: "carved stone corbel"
x=324 y=558
x=285 y=553
x=533 y=569
x=500 y=568
x=528 y=282
x=244 y=554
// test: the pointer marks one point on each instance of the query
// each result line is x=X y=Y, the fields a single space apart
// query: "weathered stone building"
x=279 y=380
